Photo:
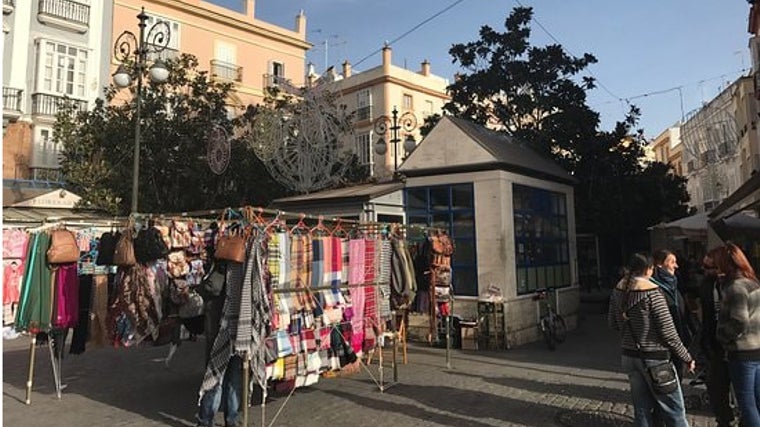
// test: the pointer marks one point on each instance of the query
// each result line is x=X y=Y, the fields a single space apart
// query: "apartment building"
x=231 y=44
x=667 y=148
x=712 y=139
x=375 y=93
x=52 y=49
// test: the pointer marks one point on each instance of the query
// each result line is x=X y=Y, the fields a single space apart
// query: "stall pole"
x=55 y=361
x=32 y=352
x=246 y=379
x=448 y=341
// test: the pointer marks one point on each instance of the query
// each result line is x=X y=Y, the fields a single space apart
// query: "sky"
x=665 y=56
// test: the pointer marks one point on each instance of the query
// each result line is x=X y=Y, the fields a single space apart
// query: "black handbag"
x=661 y=377
x=212 y=284
x=150 y=245
x=106 y=247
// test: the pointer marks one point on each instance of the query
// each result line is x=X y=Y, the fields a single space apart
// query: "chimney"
x=346 y=69
x=387 y=58
x=250 y=8
x=301 y=23
x=425 y=71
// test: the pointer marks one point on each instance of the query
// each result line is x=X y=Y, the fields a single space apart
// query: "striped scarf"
x=300 y=269
x=384 y=279
x=261 y=315
x=222 y=350
x=356 y=262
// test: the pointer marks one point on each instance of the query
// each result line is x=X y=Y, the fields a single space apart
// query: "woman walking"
x=639 y=311
x=739 y=329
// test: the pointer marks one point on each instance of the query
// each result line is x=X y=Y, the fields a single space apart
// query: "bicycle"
x=551 y=323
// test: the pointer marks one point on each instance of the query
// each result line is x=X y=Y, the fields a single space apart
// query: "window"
x=428 y=108
x=542 y=256
x=364 y=148
x=451 y=208
x=46 y=150
x=407 y=102
x=363 y=105
x=63 y=70
x=277 y=69
x=172 y=49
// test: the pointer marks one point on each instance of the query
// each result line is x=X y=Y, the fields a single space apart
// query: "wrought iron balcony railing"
x=285 y=85
x=226 y=71
x=46 y=174
x=49 y=105
x=68 y=10
x=167 y=54
x=12 y=99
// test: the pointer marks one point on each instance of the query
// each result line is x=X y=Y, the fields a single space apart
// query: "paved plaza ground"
x=579 y=384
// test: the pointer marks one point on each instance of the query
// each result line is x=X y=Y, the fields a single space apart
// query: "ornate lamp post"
x=406 y=122
x=127 y=45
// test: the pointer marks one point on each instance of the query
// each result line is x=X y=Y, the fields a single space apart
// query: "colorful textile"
x=356 y=262
x=384 y=280
x=15 y=243
x=344 y=256
x=274 y=260
x=13 y=273
x=284 y=347
x=99 y=312
x=357 y=321
x=35 y=309
x=308 y=340
x=291 y=367
x=135 y=300
x=301 y=270
x=318 y=261
x=369 y=262
x=371 y=321
x=66 y=296
x=403 y=281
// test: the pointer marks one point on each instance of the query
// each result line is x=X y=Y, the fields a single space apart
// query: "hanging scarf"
x=35 y=309
x=384 y=280
x=66 y=296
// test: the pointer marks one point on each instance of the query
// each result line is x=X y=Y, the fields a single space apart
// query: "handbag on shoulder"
x=63 y=247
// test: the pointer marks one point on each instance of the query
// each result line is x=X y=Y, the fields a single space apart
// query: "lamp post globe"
x=121 y=77
x=158 y=72
x=381 y=147
x=409 y=144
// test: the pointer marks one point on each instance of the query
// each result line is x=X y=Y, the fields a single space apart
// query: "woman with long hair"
x=648 y=338
x=739 y=329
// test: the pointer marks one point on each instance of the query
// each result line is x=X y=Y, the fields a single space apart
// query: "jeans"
x=745 y=377
x=670 y=406
x=228 y=392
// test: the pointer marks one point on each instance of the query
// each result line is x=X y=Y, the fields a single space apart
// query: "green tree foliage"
x=537 y=95
x=176 y=116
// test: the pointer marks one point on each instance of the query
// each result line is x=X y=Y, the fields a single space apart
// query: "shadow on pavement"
x=127 y=378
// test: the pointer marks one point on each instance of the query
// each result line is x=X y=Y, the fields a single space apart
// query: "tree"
x=98 y=145
x=537 y=95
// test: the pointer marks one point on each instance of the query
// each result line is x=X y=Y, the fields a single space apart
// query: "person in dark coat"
x=665 y=277
x=717 y=381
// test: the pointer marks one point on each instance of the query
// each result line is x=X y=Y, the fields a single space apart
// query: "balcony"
x=280 y=82
x=8 y=6
x=226 y=71
x=49 y=105
x=66 y=14
x=12 y=98
x=168 y=54
x=46 y=174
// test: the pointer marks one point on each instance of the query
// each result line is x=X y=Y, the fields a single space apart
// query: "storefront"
x=510 y=213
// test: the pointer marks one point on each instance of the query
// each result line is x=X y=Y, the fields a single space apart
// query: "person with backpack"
x=649 y=341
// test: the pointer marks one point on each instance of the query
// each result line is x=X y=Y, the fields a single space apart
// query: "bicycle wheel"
x=560 y=329
x=548 y=329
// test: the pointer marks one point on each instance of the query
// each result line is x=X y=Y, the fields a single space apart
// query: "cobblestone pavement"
x=579 y=384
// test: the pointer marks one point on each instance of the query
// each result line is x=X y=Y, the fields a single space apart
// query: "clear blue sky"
x=642 y=46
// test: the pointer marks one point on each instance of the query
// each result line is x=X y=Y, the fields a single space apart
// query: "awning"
x=691 y=227
x=745 y=197
x=30 y=217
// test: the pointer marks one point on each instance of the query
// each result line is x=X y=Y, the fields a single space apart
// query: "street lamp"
x=127 y=45
x=406 y=122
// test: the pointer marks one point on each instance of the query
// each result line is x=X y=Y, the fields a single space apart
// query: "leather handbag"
x=230 y=248
x=124 y=253
x=63 y=247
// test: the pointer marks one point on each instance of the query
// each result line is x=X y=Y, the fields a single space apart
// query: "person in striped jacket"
x=638 y=310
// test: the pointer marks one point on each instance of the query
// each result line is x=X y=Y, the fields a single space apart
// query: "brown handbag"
x=124 y=254
x=230 y=248
x=63 y=247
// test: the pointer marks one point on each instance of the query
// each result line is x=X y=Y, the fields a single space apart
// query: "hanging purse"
x=177 y=265
x=124 y=253
x=63 y=247
x=106 y=248
x=230 y=248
